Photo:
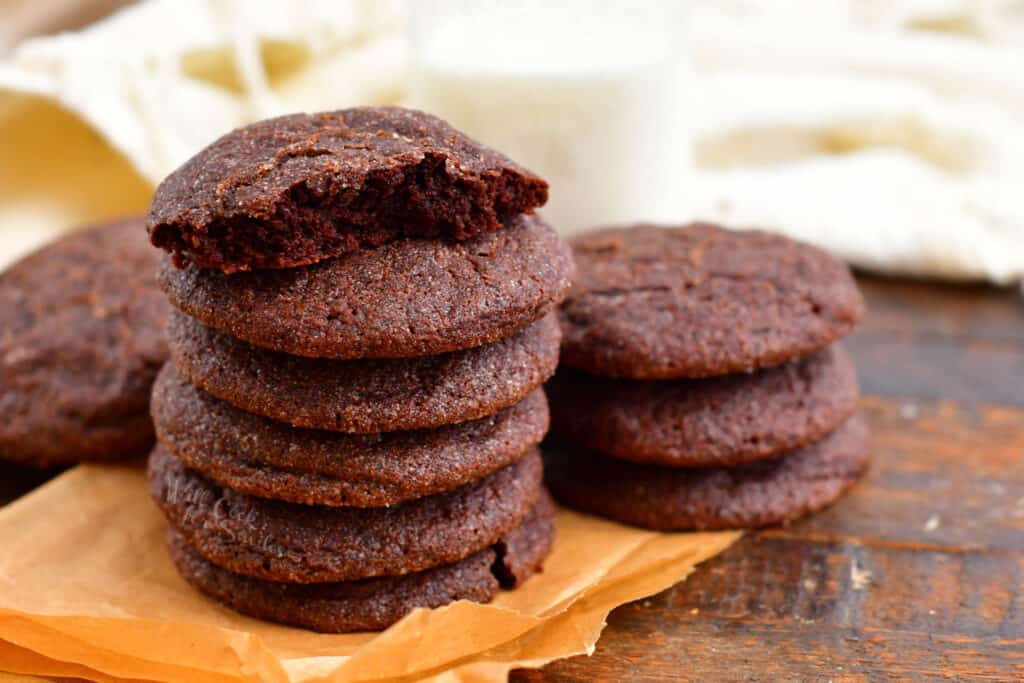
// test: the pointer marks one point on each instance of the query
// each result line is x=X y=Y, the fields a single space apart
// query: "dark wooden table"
x=918 y=574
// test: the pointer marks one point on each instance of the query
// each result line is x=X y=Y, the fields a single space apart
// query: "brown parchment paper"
x=87 y=590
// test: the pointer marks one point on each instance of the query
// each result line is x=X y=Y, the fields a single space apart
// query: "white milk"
x=592 y=96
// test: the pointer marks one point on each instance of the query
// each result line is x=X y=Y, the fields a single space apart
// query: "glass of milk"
x=591 y=95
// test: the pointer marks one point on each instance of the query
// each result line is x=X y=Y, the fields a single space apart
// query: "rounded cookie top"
x=414 y=297
x=269 y=459
x=342 y=606
x=372 y=604
x=753 y=495
x=294 y=543
x=366 y=396
x=662 y=303
x=297 y=189
x=723 y=420
x=81 y=339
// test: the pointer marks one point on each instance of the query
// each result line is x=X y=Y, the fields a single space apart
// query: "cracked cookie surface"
x=753 y=495
x=413 y=297
x=723 y=420
x=297 y=189
x=662 y=303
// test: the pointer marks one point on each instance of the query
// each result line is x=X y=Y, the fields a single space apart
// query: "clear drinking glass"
x=593 y=96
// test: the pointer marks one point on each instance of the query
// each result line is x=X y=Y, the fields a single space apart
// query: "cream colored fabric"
x=92 y=120
x=889 y=132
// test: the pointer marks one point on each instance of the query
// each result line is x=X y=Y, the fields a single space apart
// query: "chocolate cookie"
x=297 y=189
x=366 y=396
x=415 y=297
x=373 y=604
x=81 y=339
x=723 y=420
x=753 y=495
x=696 y=301
x=268 y=459
x=280 y=541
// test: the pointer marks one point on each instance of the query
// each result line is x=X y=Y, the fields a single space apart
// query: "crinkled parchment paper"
x=87 y=590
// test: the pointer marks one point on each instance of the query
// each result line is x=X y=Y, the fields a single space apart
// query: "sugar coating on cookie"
x=297 y=189
x=293 y=543
x=413 y=297
x=656 y=302
x=374 y=604
x=757 y=494
x=269 y=459
x=81 y=339
x=366 y=396
x=726 y=420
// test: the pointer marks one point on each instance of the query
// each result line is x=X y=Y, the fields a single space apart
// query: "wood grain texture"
x=918 y=574
x=943 y=342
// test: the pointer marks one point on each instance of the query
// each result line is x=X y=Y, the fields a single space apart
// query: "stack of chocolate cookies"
x=348 y=426
x=701 y=387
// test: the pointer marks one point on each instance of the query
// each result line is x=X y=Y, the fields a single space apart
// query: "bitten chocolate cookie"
x=663 y=303
x=294 y=190
x=415 y=297
x=366 y=396
x=81 y=339
x=724 y=420
x=268 y=459
x=373 y=604
x=753 y=495
x=294 y=543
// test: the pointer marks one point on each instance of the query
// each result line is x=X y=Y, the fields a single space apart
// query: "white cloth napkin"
x=889 y=132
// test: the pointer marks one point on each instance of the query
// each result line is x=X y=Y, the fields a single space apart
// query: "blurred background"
x=891 y=132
